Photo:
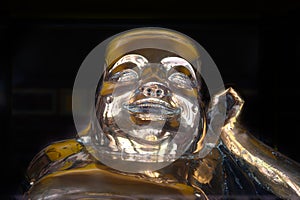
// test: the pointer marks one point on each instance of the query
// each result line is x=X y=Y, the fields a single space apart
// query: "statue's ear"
x=223 y=108
x=234 y=105
x=226 y=105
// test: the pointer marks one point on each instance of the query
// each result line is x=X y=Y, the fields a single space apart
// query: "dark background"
x=256 y=46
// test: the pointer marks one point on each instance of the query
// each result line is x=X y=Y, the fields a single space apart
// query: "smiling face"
x=148 y=102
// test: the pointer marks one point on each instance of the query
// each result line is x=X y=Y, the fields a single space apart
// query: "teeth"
x=155 y=132
x=152 y=101
x=151 y=105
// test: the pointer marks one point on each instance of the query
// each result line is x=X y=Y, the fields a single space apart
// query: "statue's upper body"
x=156 y=136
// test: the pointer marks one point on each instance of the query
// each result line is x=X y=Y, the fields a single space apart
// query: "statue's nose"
x=154 y=89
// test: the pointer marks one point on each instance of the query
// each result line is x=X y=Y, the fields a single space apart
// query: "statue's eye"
x=125 y=76
x=180 y=80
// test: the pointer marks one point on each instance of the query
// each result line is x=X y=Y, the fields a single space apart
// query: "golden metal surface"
x=277 y=173
x=65 y=168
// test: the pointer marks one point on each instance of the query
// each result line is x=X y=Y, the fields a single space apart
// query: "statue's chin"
x=140 y=150
x=147 y=138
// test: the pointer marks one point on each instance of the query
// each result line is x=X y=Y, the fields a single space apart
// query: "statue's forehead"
x=152 y=55
x=155 y=56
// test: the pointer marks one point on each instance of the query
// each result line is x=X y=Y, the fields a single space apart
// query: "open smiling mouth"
x=151 y=109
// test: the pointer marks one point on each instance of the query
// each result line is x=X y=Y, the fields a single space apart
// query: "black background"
x=256 y=46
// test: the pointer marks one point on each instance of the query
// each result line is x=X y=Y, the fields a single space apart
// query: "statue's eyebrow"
x=181 y=64
x=136 y=59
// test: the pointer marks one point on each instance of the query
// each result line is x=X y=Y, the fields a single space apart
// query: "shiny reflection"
x=147 y=106
x=150 y=106
x=240 y=166
x=276 y=172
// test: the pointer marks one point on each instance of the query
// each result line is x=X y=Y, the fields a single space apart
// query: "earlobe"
x=234 y=104
x=224 y=108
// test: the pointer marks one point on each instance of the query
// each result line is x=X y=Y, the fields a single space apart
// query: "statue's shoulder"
x=57 y=156
x=62 y=149
x=65 y=170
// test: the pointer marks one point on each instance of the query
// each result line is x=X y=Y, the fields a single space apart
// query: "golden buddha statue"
x=154 y=121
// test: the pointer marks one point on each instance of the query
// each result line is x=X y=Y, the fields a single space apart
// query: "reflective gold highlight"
x=278 y=173
x=62 y=149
